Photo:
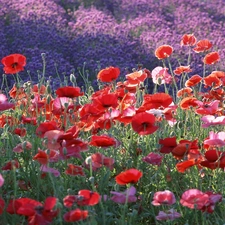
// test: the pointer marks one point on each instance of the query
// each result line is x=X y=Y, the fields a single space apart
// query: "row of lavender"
x=119 y=33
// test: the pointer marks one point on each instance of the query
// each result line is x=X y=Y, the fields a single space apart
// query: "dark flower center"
x=14 y=65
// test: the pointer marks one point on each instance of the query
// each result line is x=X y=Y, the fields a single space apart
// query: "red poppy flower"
x=168 y=144
x=128 y=176
x=70 y=92
x=13 y=63
x=188 y=40
x=98 y=160
x=75 y=215
x=11 y=165
x=87 y=197
x=2 y=205
x=211 y=58
x=155 y=101
x=180 y=150
x=102 y=141
x=143 y=123
x=44 y=127
x=109 y=74
x=20 y=131
x=74 y=170
x=163 y=51
x=194 y=80
x=36 y=212
x=202 y=45
x=182 y=69
x=105 y=101
x=41 y=157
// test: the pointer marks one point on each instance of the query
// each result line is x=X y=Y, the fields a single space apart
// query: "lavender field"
x=103 y=33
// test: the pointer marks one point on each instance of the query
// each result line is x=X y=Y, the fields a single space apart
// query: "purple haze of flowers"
x=120 y=197
x=118 y=33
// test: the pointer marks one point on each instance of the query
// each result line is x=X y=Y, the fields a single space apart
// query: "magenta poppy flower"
x=169 y=215
x=163 y=198
x=120 y=197
x=210 y=120
x=153 y=158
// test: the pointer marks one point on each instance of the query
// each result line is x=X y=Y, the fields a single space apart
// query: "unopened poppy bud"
x=64 y=150
x=59 y=205
x=43 y=55
x=24 y=145
x=88 y=160
x=72 y=78
x=92 y=179
x=48 y=89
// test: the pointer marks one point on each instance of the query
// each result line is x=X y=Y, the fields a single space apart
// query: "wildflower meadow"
x=106 y=144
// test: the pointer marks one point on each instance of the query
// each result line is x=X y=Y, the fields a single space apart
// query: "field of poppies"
x=125 y=142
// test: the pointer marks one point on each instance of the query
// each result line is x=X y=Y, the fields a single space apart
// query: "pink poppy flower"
x=210 y=120
x=213 y=199
x=120 y=197
x=194 y=198
x=4 y=104
x=163 y=198
x=26 y=145
x=169 y=215
x=153 y=158
x=161 y=76
x=47 y=169
x=217 y=139
x=207 y=108
x=1 y=180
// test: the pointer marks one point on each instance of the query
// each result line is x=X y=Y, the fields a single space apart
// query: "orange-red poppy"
x=13 y=63
x=202 y=45
x=108 y=74
x=163 y=51
x=182 y=69
x=188 y=40
x=128 y=176
x=194 y=80
x=185 y=92
x=188 y=102
x=212 y=81
x=211 y=58
x=41 y=157
x=183 y=166
x=137 y=76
